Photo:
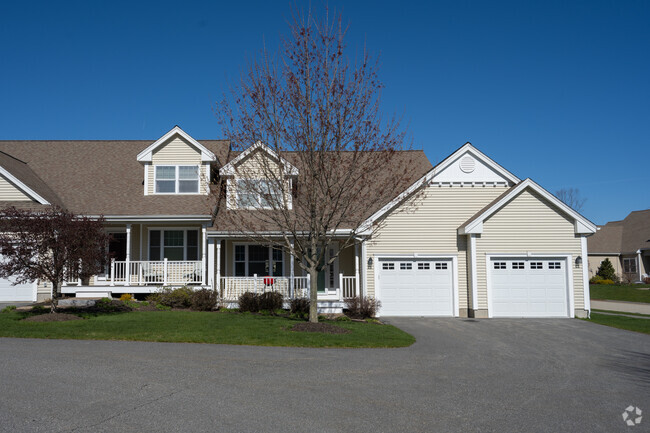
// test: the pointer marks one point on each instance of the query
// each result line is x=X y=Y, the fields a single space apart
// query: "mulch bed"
x=325 y=328
x=52 y=317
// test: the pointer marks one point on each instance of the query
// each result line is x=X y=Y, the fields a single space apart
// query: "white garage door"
x=18 y=293
x=529 y=287
x=409 y=287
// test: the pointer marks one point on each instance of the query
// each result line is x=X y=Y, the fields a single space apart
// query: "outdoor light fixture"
x=369 y=262
x=578 y=261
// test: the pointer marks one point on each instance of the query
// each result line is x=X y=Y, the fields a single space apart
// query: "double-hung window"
x=173 y=244
x=176 y=179
x=260 y=260
x=258 y=193
x=629 y=265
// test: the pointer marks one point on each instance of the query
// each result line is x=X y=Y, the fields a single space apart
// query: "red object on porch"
x=268 y=281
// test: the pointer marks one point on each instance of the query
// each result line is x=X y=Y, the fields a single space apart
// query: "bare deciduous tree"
x=53 y=245
x=333 y=158
x=571 y=197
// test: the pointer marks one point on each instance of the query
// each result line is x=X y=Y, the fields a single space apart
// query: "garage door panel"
x=416 y=287
x=528 y=287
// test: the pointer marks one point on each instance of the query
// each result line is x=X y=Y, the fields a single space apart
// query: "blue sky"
x=558 y=91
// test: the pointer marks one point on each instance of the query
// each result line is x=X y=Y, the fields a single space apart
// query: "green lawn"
x=621 y=322
x=203 y=327
x=630 y=292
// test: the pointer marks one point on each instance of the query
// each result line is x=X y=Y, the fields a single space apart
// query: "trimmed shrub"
x=606 y=282
x=300 y=307
x=271 y=301
x=250 y=302
x=203 y=300
x=108 y=305
x=174 y=298
x=596 y=279
x=362 y=307
x=126 y=297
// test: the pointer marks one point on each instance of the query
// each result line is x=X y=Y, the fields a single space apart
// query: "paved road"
x=626 y=307
x=493 y=375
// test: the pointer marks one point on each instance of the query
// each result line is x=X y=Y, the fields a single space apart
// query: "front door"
x=117 y=247
x=328 y=277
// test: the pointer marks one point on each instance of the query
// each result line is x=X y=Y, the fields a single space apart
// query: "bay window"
x=176 y=179
x=173 y=244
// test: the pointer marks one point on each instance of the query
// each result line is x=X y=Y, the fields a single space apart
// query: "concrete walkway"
x=622 y=306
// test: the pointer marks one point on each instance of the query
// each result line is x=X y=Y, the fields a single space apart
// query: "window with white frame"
x=258 y=193
x=176 y=179
x=173 y=244
x=629 y=265
x=260 y=260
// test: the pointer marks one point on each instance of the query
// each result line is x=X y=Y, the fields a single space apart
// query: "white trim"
x=24 y=188
x=473 y=271
x=585 y=273
x=568 y=265
x=155 y=218
x=146 y=178
x=582 y=225
x=364 y=269
x=279 y=234
x=146 y=155
x=229 y=169
x=429 y=177
x=449 y=257
x=638 y=266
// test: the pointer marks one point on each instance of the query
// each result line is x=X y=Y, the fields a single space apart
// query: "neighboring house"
x=479 y=242
x=626 y=244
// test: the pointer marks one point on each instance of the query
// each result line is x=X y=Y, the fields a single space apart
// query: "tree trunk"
x=56 y=293
x=313 y=295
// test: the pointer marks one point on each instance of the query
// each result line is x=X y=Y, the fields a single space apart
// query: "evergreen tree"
x=606 y=270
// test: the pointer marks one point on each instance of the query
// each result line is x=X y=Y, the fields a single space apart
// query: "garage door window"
x=388 y=266
x=405 y=266
x=499 y=265
x=440 y=266
x=518 y=265
x=424 y=266
x=555 y=265
x=536 y=265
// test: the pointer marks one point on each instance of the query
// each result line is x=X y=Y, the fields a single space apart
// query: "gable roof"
x=475 y=223
x=230 y=168
x=430 y=177
x=24 y=178
x=623 y=237
x=96 y=177
x=146 y=154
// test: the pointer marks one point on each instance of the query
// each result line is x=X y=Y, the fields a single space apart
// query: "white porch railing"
x=163 y=272
x=231 y=288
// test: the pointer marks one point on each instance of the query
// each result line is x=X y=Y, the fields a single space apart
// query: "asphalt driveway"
x=494 y=375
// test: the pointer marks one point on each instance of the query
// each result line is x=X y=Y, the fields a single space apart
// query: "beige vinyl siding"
x=428 y=224
x=10 y=192
x=528 y=223
x=595 y=261
x=177 y=152
x=258 y=165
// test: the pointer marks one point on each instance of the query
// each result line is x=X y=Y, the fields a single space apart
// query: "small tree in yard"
x=318 y=112
x=53 y=245
x=606 y=271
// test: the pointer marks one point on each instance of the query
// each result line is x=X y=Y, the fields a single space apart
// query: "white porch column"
x=218 y=276
x=364 y=270
x=211 y=263
x=356 y=269
x=292 y=259
x=204 y=247
x=140 y=256
x=473 y=271
x=585 y=274
x=128 y=256
x=639 y=264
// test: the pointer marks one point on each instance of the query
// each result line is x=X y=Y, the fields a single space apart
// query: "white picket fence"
x=231 y=288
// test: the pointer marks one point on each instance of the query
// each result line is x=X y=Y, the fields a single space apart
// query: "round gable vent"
x=467 y=164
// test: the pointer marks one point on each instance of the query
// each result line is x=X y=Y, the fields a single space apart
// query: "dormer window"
x=176 y=179
x=257 y=193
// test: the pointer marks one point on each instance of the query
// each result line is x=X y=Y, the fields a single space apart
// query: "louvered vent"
x=467 y=164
